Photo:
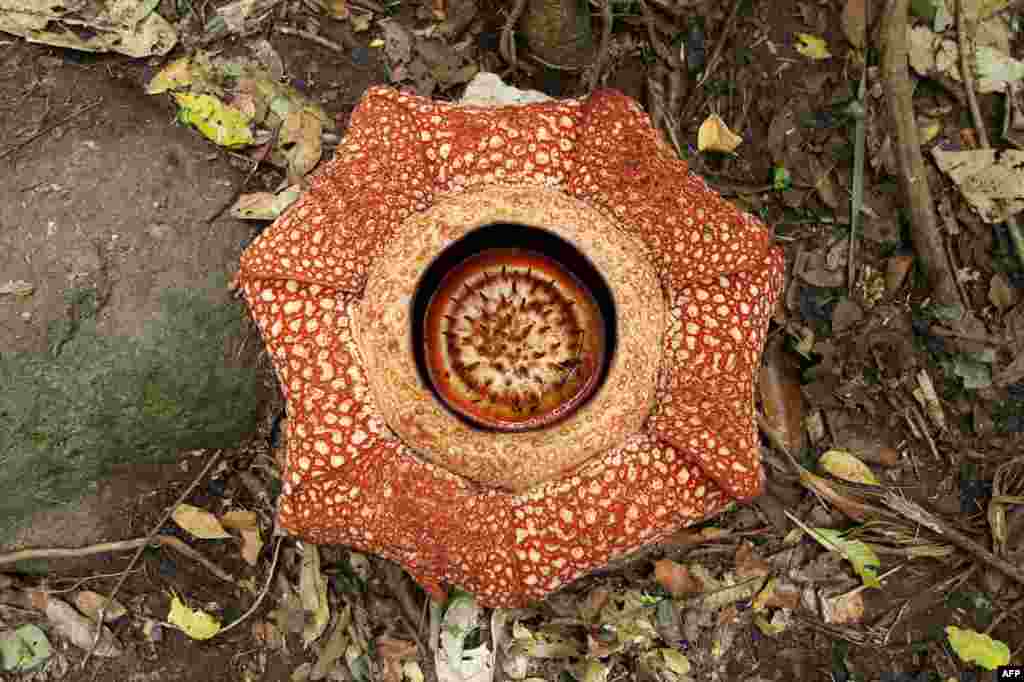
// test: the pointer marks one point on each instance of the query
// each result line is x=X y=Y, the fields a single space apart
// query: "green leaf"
x=23 y=649
x=865 y=561
x=195 y=623
x=974 y=647
x=781 y=179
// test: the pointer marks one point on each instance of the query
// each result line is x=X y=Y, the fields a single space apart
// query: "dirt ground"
x=102 y=188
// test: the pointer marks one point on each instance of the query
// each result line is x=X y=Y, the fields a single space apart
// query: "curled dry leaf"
x=781 y=397
x=300 y=140
x=714 y=136
x=676 y=578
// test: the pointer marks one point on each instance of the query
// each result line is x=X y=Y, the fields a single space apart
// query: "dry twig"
x=594 y=77
x=924 y=230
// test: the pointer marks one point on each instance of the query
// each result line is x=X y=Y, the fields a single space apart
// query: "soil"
x=119 y=197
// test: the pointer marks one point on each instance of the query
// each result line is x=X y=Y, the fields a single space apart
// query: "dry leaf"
x=777 y=595
x=750 y=564
x=76 y=628
x=269 y=635
x=248 y=526
x=989 y=180
x=89 y=603
x=300 y=140
x=781 y=397
x=846 y=315
x=854 y=22
x=896 y=270
x=1000 y=293
x=195 y=623
x=313 y=593
x=676 y=578
x=199 y=522
x=715 y=136
x=844 y=465
x=844 y=609
x=812 y=47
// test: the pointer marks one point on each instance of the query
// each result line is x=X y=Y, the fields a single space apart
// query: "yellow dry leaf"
x=846 y=466
x=975 y=647
x=715 y=136
x=247 y=524
x=199 y=522
x=195 y=623
x=812 y=47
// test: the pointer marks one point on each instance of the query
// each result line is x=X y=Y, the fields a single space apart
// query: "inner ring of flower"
x=513 y=337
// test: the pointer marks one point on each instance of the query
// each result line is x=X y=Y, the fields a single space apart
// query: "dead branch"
x=924 y=229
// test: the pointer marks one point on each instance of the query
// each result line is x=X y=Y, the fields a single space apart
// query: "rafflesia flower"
x=515 y=342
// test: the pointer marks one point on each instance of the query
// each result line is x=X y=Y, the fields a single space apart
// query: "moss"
x=68 y=416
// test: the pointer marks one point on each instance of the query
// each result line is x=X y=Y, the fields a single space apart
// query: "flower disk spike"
x=519 y=428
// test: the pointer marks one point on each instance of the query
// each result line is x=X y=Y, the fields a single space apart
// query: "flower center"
x=513 y=340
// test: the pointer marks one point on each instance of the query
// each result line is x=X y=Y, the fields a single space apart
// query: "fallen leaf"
x=453 y=661
x=781 y=397
x=987 y=179
x=846 y=466
x=812 y=47
x=247 y=524
x=23 y=649
x=931 y=54
x=750 y=564
x=975 y=647
x=337 y=9
x=896 y=270
x=235 y=14
x=675 y=661
x=862 y=557
x=269 y=635
x=843 y=609
x=313 y=593
x=1000 y=293
x=334 y=649
x=777 y=595
x=778 y=624
x=195 y=623
x=852 y=508
x=397 y=42
x=714 y=136
x=199 y=522
x=361 y=21
x=19 y=288
x=265 y=205
x=90 y=603
x=222 y=124
x=299 y=139
x=676 y=578
x=854 y=22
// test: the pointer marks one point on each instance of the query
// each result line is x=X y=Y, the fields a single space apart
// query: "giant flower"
x=515 y=342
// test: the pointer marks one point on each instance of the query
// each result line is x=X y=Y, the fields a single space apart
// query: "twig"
x=652 y=36
x=263 y=592
x=42 y=131
x=857 y=193
x=602 y=51
x=965 y=35
x=713 y=61
x=918 y=514
x=507 y=45
x=924 y=230
x=313 y=38
x=138 y=553
x=121 y=546
x=1003 y=614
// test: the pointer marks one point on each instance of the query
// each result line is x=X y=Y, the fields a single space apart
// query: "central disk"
x=513 y=340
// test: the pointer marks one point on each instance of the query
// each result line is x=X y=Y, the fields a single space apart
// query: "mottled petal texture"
x=350 y=480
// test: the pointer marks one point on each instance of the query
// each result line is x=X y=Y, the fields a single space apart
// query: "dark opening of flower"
x=513 y=338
